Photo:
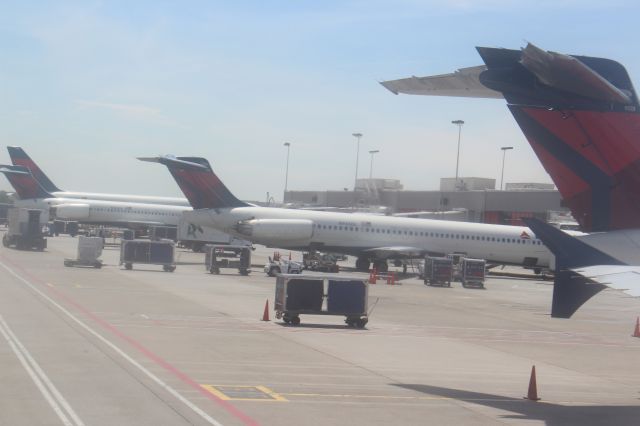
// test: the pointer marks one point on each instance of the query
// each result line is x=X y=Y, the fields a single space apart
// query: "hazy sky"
x=86 y=86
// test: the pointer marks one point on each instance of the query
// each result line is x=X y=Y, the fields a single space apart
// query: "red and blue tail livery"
x=20 y=158
x=25 y=185
x=198 y=182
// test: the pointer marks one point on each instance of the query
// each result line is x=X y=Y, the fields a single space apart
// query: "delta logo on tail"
x=525 y=236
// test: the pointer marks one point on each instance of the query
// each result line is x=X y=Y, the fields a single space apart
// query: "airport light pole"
x=286 y=173
x=458 y=123
x=357 y=136
x=375 y=151
x=504 y=153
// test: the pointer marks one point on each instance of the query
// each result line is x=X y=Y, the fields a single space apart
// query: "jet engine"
x=72 y=211
x=267 y=230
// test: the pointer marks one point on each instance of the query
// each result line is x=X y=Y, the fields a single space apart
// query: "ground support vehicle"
x=320 y=262
x=473 y=272
x=89 y=251
x=26 y=229
x=321 y=295
x=282 y=266
x=161 y=252
x=219 y=256
x=438 y=271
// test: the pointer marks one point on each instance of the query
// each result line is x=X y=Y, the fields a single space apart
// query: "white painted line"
x=46 y=387
x=116 y=349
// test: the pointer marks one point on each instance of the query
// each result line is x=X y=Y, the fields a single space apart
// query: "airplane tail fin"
x=581 y=117
x=25 y=185
x=570 y=290
x=198 y=182
x=20 y=158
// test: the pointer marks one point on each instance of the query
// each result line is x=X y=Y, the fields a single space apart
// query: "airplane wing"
x=464 y=83
x=619 y=277
x=396 y=252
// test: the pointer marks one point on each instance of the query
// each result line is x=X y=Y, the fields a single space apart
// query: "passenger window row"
x=127 y=210
x=427 y=234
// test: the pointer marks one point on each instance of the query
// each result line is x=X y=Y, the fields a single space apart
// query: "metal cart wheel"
x=168 y=268
x=286 y=318
x=362 y=322
x=295 y=320
x=97 y=265
x=128 y=266
x=215 y=270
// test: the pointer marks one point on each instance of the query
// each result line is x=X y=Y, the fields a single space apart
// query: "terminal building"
x=469 y=199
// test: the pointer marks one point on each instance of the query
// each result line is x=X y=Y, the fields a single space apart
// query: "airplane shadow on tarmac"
x=551 y=414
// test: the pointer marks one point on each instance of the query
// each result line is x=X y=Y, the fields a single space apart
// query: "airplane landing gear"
x=362 y=264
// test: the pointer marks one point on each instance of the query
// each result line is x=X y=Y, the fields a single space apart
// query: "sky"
x=88 y=86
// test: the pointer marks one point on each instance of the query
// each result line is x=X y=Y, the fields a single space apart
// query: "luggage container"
x=227 y=256
x=321 y=295
x=438 y=271
x=473 y=272
x=89 y=250
x=149 y=253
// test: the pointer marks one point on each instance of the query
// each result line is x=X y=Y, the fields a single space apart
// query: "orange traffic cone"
x=265 y=315
x=373 y=276
x=532 y=393
x=636 y=332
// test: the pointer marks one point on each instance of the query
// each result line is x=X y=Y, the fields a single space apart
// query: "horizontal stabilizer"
x=463 y=83
x=568 y=73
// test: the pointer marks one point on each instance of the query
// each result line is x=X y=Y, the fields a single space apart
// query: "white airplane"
x=20 y=158
x=99 y=212
x=369 y=237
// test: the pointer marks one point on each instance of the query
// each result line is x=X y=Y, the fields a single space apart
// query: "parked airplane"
x=369 y=237
x=20 y=158
x=580 y=115
x=99 y=212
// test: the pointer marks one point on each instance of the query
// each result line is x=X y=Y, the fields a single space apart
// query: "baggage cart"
x=321 y=295
x=218 y=256
x=148 y=252
x=89 y=251
x=473 y=272
x=438 y=271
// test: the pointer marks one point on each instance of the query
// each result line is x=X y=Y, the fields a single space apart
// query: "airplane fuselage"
x=355 y=233
x=108 y=212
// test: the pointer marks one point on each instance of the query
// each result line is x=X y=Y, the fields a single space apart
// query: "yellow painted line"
x=216 y=392
x=273 y=396
x=271 y=393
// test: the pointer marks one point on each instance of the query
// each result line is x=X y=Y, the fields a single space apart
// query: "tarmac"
x=145 y=347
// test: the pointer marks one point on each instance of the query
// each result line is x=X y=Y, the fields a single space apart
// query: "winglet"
x=198 y=182
x=20 y=158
